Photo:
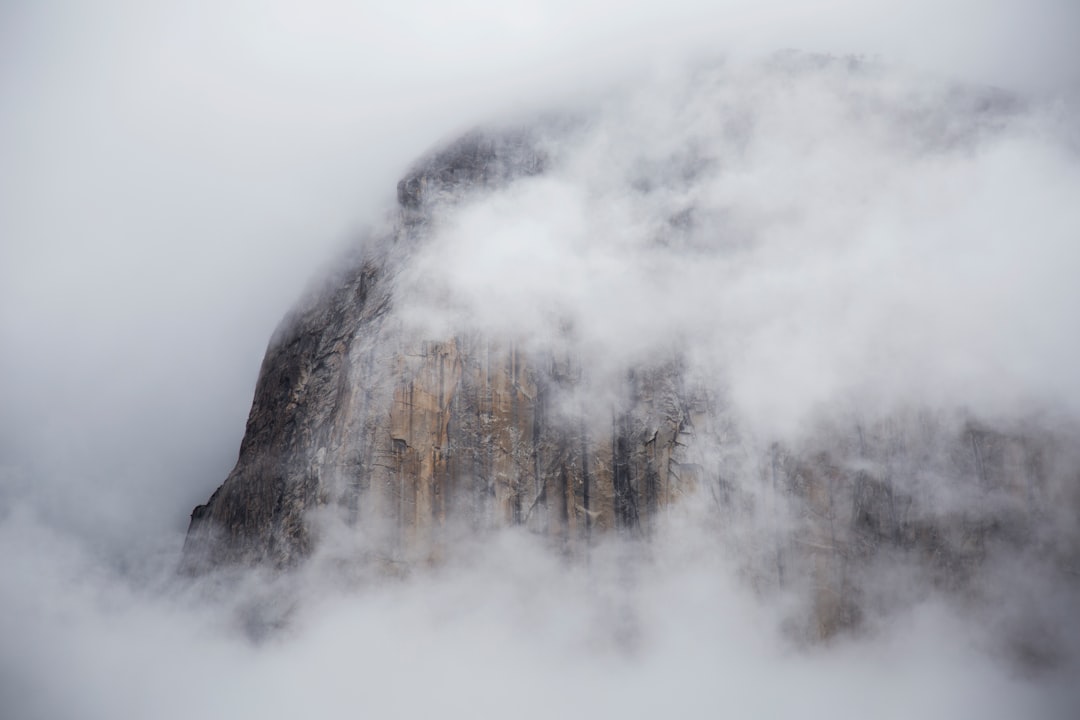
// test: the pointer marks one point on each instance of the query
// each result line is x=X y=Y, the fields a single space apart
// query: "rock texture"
x=406 y=437
x=410 y=435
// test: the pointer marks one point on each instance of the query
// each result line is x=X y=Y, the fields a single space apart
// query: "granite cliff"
x=408 y=438
x=349 y=410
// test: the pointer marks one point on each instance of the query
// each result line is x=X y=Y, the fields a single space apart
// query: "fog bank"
x=173 y=178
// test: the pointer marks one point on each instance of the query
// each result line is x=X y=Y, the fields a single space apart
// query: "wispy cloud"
x=174 y=176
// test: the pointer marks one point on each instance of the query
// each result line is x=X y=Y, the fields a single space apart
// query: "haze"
x=173 y=177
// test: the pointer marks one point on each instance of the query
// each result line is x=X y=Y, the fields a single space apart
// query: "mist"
x=833 y=240
x=174 y=180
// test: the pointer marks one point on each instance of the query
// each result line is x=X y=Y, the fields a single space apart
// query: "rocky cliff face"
x=406 y=437
x=349 y=410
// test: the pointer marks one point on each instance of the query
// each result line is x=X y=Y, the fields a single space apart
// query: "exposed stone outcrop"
x=409 y=436
x=470 y=430
x=915 y=502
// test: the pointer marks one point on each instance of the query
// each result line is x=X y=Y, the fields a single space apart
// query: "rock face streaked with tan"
x=410 y=438
x=464 y=429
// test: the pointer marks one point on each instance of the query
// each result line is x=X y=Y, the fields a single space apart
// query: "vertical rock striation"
x=407 y=438
x=409 y=435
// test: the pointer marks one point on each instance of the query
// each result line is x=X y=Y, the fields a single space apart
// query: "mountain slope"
x=413 y=399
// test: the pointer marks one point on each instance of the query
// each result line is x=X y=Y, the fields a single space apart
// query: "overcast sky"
x=173 y=174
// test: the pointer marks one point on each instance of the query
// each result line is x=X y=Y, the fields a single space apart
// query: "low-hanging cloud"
x=847 y=235
x=174 y=177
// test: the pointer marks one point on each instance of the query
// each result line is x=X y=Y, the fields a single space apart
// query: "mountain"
x=405 y=402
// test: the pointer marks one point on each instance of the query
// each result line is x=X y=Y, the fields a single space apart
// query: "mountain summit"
x=689 y=306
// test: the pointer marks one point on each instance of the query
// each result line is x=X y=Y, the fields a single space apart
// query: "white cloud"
x=174 y=174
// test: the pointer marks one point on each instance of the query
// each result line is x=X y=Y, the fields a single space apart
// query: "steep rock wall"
x=408 y=437
x=419 y=433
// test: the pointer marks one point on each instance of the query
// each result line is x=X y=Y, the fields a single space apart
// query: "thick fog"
x=173 y=177
x=816 y=231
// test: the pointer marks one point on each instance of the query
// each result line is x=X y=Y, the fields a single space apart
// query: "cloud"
x=173 y=178
x=506 y=627
x=814 y=236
